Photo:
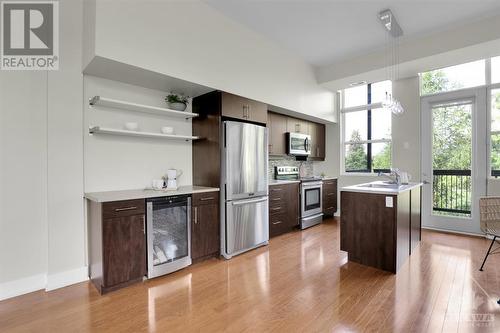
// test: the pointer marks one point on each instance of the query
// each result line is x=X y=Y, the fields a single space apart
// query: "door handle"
x=207 y=198
x=195 y=215
x=277 y=222
x=244 y=202
x=143 y=226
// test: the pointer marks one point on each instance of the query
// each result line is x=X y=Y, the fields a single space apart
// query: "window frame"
x=369 y=141
x=489 y=107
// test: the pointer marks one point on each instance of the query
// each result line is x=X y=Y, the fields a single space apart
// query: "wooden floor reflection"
x=301 y=282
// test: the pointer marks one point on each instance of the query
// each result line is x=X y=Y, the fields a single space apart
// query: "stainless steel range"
x=311 y=190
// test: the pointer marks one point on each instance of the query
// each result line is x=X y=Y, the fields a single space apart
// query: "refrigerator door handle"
x=245 y=202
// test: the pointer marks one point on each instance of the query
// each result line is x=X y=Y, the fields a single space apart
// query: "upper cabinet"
x=238 y=107
x=317 y=133
x=278 y=125
x=295 y=125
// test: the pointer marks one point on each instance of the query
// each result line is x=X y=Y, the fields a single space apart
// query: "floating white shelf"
x=113 y=131
x=115 y=103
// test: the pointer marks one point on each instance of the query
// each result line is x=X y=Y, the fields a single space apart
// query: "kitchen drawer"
x=277 y=191
x=123 y=208
x=277 y=209
x=207 y=198
x=278 y=224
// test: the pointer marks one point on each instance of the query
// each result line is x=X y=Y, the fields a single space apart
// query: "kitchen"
x=137 y=233
x=291 y=191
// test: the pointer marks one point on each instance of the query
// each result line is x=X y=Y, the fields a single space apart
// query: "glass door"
x=453 y=159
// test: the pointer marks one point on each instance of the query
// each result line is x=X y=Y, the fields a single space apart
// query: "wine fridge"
x=169 y=234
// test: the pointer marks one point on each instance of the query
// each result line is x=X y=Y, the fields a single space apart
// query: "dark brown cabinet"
x=238 y=107
x=117 y=243
x=283 y=208
x=276 y=124
x=329 y=196
x=205 y=241
x=380 y=230
x=295 y=125
x=317 y=133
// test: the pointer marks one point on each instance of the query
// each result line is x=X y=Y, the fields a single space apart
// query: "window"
x=467 y=75
x=495 y=133
x=366 y=128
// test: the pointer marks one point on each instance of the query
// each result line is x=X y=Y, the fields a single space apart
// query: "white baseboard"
x=43 y=281
x=66 y=278
x=453 y=232
x=22 y=286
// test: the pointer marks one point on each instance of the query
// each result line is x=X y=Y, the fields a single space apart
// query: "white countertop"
x=281 y=182
x=108 y=196
x=328 y=178
x=380 y=190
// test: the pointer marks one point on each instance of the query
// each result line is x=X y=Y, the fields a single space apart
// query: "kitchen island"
x=380 y=223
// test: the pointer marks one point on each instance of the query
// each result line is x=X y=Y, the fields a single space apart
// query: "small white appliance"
x=172 y=176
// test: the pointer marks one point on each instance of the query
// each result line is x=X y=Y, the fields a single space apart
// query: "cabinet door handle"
x=330 y=207
x=195 y=215
x=276 y=199
x=276 y=208
x=331 y=194
x=143 y=226
x=276 y=189
x=277 y=222
x=207 y=198
x=317 y=151
x=124 y=209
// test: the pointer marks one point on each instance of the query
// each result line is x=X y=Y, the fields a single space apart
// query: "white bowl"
x=167 y=130
x=131 y=126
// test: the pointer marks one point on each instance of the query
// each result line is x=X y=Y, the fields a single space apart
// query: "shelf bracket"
x=93 y=100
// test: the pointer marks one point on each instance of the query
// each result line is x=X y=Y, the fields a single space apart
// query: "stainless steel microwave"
x=298 y=144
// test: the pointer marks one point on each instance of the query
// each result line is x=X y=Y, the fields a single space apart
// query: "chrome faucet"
x=394 y=176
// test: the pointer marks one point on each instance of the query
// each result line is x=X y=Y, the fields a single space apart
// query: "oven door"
x=298 y=144
x=311 y=195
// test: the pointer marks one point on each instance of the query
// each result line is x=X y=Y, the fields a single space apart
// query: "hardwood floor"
x=301 y=282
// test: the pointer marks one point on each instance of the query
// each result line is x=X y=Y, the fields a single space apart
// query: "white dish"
x=167 y=130
x=131 y=126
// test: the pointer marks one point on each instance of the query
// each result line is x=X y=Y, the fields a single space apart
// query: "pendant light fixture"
x=392 y=67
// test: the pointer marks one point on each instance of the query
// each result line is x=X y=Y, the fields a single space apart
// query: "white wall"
x=192 y=41
x=471 y=41
x=331 y=165
x=23 y=180
x=41 y=170
x=120 y=162
x=66 y=227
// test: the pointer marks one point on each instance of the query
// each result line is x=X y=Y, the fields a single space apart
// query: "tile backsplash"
x=307 y=166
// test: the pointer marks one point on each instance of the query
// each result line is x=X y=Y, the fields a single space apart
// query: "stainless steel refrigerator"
x=245 y=206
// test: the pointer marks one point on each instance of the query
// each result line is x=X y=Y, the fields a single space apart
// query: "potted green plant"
x=177 y=102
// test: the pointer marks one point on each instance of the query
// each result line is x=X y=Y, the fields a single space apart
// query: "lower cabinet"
x=283 y=208
x=329 y=196
x=380 y=230
x=205 y=223
x=117 y=243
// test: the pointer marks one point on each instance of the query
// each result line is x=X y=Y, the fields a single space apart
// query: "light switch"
x=388 y=202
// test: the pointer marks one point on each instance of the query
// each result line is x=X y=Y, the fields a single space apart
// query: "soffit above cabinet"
x=121 y=72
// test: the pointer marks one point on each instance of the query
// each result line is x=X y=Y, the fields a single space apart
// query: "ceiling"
x=323 y=32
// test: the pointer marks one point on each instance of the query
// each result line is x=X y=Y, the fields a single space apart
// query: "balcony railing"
x=452 y=191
